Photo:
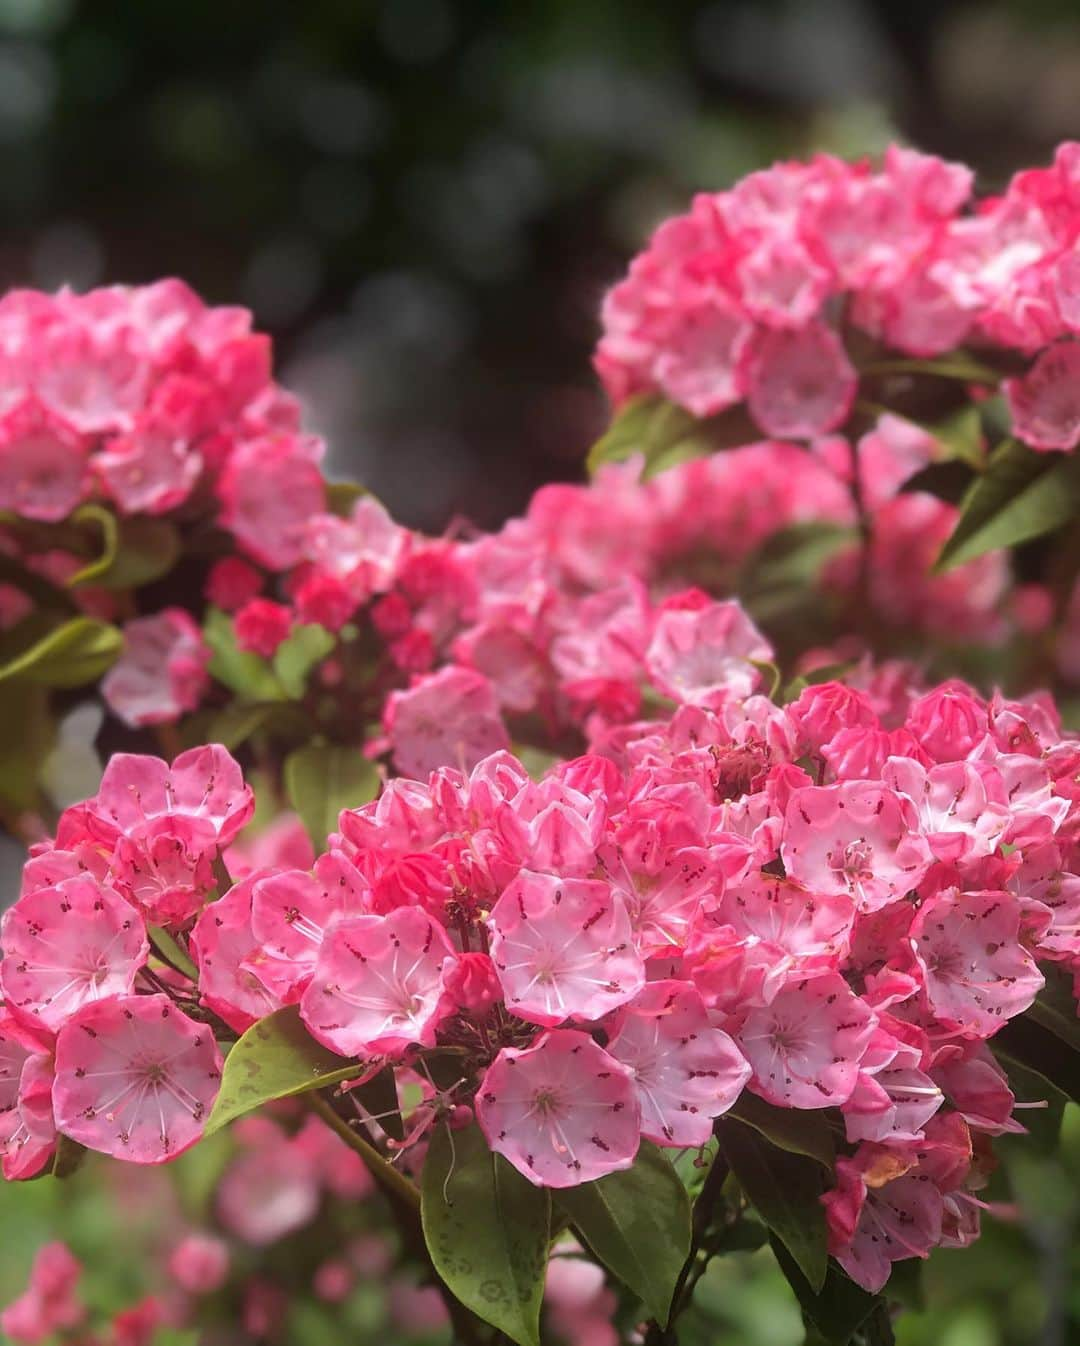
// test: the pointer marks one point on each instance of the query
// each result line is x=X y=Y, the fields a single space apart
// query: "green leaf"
x=275 y=1058
x=247 y=674
x=342 y=495
x=637 y=1223
x=135 y=549
x=321 y=780
x=68 y=1158
x=785 y=1190
x=650 y=425
x=26 y=736
x=487 y=1230
x=837 y=1308
x=956 y=365
x=776 y=577
x=799 y=1131
x=1021 y=495
x=169 y=951
x=298 y=654
x=1026 y=1043
x=77 y=652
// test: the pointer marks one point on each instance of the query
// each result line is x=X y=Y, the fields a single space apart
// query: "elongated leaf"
x=275 y=1058
x=321 y=780
x=487 y=1229
x=246 y=674
x=785 y=1190
x=77 y=652
x=795 y=1130
x=1022 y=495
x=297 y=656
x=637 y=1223
x=837 y=1308
x=956 y=365
x=135 y=550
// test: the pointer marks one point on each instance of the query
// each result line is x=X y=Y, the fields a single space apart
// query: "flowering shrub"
x=648 y=884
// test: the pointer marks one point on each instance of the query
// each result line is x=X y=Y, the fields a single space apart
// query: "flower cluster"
x=738 y=300
x=834 y=903
x=147 y=398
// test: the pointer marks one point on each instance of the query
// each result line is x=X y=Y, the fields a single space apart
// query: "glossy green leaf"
x=487 y=1230
x=244 y=673
x=321 y=780
x=77 y=652
x=1021 y=495
x=135 y=549
x=637 y=1222
x=276 y=1058
x=837 y=1308
x=799 y=1131
x=785 y=1190
x=298 y=654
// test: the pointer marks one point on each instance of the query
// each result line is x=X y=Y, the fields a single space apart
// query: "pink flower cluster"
x=739 y=300
x=834 y=903
x=145 y=397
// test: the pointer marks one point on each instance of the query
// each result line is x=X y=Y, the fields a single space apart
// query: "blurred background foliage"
x=423 y=201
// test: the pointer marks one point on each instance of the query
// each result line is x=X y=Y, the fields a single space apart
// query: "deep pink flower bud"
x=232 y=582
x=261 y=626
x=325 y=600
x=472 y=984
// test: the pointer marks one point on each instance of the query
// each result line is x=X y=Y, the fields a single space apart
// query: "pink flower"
x=203 y=784
x=702 y=656
x=50 y=1303
x=269 y=489
x=886 y=1223
x=150 y=471
x=562 y=1111
x=135 y=1078
x=699 y=361
x=162 y=671
x=977 y=973
x=324 y=600
x=165 y=868
x=199 y=1264
x=563 y=949
x=799 y=383
x=292 y=911
x=378 y=985
x=42 y=464
x=856 y=837
x=27 y=1131
x=956 y=813
x=781 y=284
x=228 y=956
x=261 y=625
x=449 y=718
x=68 y=946
x=271 y=1189
x=686 y=1072
x=805 y=1047
x=1044 y=403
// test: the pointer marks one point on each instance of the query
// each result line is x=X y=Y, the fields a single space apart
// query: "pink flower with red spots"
x=563 y=1111
x=135 y=1078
